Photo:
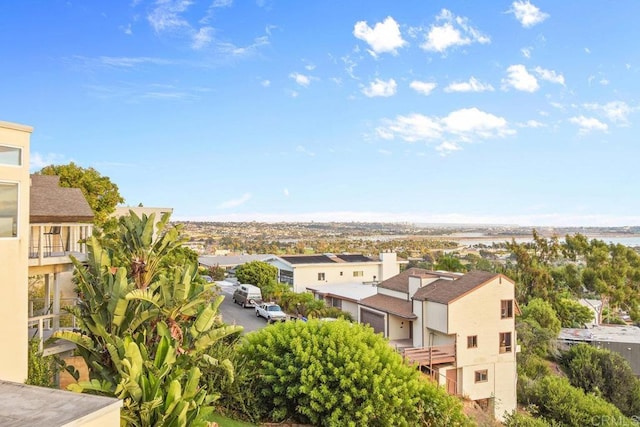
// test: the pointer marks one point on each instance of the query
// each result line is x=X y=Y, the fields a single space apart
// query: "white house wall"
x=398 y=328
x=305 y=275
x=392 y=293
x=14 y=253
x=479 y=314
x=436 y=316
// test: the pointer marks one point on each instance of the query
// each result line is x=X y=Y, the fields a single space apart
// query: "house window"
x=358 y=273
x=8 y=209
x=320 y=276
x=472 y=341
x=482 y=376
x=505 y=342
x=10 y=155
x=506 y=309
x=341 y=273
x=336 y=302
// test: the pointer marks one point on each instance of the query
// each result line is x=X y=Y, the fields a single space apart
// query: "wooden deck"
x=430 y=356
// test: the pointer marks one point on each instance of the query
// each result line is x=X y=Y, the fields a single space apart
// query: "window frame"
x=508 y=347
x=481 y=376
x=15 y=220
x=321 y=277
x=358 y=273
x=506 y=309
x=20 y=156
x=472 y=341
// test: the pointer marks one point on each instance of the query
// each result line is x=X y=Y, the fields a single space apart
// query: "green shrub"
x=557 y=400
x=341 y=374
x=42 y=370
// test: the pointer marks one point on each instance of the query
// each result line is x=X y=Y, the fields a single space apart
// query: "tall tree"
x=102 y=195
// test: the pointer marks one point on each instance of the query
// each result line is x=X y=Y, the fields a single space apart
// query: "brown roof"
x=52 y=203
x=444 y=291
x=391 y=305
x=400 y=282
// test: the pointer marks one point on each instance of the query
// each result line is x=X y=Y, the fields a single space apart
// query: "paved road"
x=235 y=314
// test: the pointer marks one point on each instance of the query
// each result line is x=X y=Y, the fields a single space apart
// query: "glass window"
x=505 y=342
x=10 y=155
x=506 y=309
x=320 y=276
x=8 y=209
x=472 y=341
x=482 y=376
x=358 y=273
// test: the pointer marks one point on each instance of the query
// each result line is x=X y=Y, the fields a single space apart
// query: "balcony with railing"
x=52 y=243
x=43 y=322
x=430 y=356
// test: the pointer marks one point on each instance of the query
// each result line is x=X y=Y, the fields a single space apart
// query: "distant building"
x=622 y=339
x=304 y=271
x=595 y=305
x=230 y=262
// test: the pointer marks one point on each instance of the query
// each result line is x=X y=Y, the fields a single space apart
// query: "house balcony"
x=52 y=243
x=430 y=356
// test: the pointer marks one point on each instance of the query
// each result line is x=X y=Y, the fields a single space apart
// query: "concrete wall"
x=436 y=316
x=14 y=253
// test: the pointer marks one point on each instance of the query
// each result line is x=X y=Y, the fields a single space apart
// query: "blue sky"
x=423 y=111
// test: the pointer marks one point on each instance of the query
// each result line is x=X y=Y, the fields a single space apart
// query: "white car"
x=270 y=311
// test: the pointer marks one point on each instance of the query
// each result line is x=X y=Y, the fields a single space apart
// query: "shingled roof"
x=52 y=203
x=400 y=282
x=444 y=291
x=389 y=304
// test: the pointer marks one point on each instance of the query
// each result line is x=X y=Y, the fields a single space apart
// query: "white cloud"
x=424 y=88
x=519 y=78
x=286 y=192
x=166 y=15
x=454 y=31
x=460 y=126
x=532 y=124
x=616 y=111
x=526 y=52
x=473 y=85
x=380 y=88
x=384 y=37
x=202 y=38
x=222 y=3
x=528 y=14
x=588 y=124
x=549 y=75
x=587 y=50
x=472 y=122
x=266 y=83
x=448 y=147
x=235 y=202
x=384 y=152
x=301 y=79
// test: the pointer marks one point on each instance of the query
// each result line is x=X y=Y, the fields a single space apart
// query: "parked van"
x=247 y=295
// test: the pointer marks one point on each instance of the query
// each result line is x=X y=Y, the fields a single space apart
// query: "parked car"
x=207 y=279
x=247 y=295
x=270 y=311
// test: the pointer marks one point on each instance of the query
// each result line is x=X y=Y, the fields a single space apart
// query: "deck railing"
x=430 y=356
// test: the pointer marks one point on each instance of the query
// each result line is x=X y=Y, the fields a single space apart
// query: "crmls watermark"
x=615 y=421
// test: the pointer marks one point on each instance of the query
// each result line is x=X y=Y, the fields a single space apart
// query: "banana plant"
x=146 y=335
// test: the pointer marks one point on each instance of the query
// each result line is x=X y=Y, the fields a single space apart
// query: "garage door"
x=375 y=320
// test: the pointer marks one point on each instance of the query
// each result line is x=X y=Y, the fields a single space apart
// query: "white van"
x=247 y=295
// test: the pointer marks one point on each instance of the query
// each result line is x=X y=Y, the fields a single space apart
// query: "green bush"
x=605 y=373
x=557 y=400
x=42 y=370
x=340 y=374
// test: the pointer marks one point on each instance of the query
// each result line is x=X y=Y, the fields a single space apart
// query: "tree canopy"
x=258 y=273
x=101 y=193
